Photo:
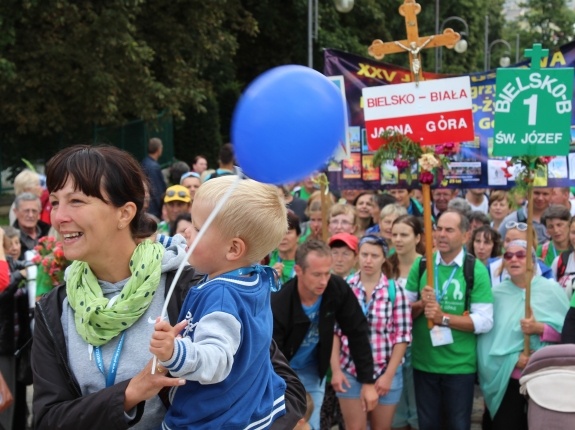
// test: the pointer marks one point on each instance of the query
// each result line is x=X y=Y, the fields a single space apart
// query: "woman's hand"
x=383 y=384
x=279 y=268
x=144 y=385
x=338 y=380
x=522 y=362
x=162 y=343
x=368 y=397
x=530 y=326
x=6 y=398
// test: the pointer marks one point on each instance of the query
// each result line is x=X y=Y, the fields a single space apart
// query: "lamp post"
x=505 y=60
x=460 y=46
x=342 y=6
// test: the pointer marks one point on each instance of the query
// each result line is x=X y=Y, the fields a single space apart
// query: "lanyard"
x=441 y=295
x=111 y=378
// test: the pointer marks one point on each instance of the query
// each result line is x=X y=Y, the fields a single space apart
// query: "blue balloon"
x=287 y=124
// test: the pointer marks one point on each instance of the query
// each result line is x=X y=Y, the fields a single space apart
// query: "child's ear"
x=237 y=249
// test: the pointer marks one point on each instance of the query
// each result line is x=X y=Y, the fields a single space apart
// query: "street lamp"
x=342 y=6
x=460 y=46
x=504 y=61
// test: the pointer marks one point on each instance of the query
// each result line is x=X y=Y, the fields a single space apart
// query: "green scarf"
x=97 y=323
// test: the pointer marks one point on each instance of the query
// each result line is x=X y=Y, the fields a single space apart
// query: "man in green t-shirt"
x=444 y=358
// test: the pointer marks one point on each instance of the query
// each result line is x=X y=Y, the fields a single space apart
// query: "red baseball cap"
x=349 y=239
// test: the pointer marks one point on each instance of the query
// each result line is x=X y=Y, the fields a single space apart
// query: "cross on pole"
x=536 y=54
x=414 y=43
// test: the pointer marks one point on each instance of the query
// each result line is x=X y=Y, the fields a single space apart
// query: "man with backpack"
x=459 y=306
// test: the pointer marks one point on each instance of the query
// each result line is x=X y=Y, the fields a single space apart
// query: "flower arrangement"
x=528 y=167
x=405 y=152
x=51 y=264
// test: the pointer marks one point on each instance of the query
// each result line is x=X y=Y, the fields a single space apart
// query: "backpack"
x=562 y=264
x=521 y=215
x=468 y=274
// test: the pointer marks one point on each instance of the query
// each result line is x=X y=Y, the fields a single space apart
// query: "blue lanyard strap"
x=111 y=378
x=438 y=294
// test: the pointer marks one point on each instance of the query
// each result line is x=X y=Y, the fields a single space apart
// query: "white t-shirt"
x=482 y=207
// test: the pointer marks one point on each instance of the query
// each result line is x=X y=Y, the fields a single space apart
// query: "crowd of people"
x=274 y=322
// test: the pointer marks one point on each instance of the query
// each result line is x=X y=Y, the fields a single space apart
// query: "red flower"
x=545 y=160
x=426 y=177
x=506 y=172
x=401 y=164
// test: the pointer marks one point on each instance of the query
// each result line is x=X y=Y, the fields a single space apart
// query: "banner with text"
x=473 y=166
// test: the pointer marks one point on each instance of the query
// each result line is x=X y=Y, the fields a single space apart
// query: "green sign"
x=533 y=109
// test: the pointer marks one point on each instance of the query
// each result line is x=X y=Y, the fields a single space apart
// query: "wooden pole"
x=324 y=206
x=526 y=348
x=428 y=231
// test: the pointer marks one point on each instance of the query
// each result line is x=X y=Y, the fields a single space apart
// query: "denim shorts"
x=391 y=398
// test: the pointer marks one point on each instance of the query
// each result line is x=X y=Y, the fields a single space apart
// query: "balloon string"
x=193 y=246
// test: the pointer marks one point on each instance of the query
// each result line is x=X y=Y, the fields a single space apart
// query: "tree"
x=549 y=22
x=68 y=65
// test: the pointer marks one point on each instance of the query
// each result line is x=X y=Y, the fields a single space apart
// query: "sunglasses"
x=521 y=226
x=182 y=194
x=508 y=256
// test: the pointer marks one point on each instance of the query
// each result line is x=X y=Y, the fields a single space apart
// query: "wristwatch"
x=445 y=321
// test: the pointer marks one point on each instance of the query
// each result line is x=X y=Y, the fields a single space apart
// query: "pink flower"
x=401 y=164
x=426 y=177
x=545 y=160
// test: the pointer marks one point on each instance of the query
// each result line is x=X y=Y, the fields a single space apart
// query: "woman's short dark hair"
x=107 y=173
x=185 y=216
x=555 y=212
x=489 y=233
x=293 y=222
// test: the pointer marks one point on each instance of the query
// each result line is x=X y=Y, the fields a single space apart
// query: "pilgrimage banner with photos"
x=473 y=166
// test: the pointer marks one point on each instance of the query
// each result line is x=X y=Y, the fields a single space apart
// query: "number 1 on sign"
x=532 y=103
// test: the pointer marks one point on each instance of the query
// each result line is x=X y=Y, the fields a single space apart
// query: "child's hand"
x=162 y=343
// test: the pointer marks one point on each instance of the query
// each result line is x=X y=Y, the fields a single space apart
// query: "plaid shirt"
x=389 y=323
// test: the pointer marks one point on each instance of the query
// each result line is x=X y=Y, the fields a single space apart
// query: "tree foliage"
x=549 y=22
x=69 y=65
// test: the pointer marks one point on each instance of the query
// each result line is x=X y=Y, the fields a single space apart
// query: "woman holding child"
x=389 y=317
x=90 y=354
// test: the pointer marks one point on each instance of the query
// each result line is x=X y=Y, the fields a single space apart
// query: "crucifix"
x=414 y=43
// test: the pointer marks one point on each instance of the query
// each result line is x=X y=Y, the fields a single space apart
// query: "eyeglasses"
x=521 y=226
x=370 y=238
x=508 y=256
x=182 y=194
x=188 y=174
x=336 y=222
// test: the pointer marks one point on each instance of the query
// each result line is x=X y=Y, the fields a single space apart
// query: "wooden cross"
x=414 y=43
